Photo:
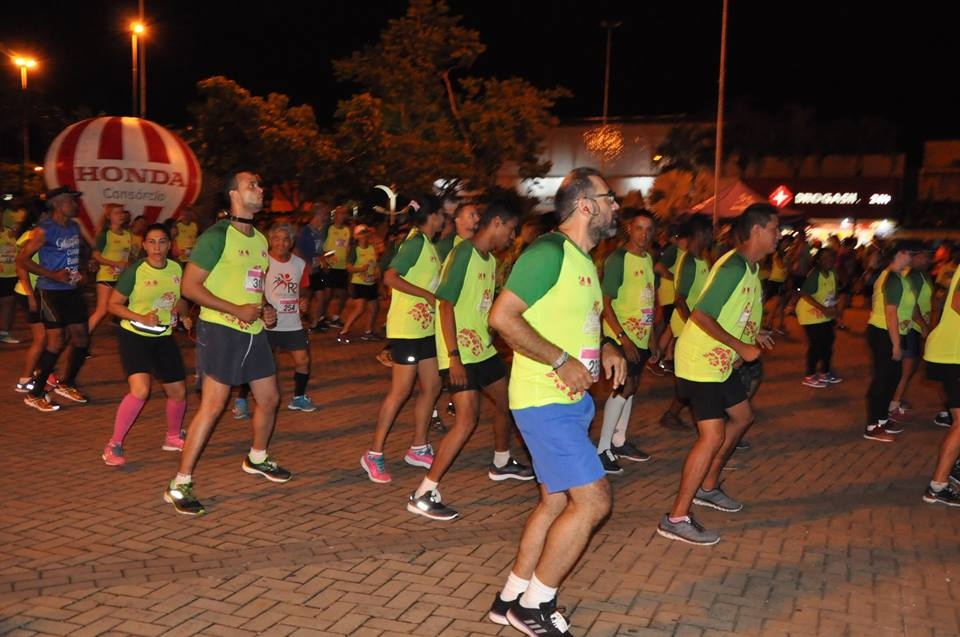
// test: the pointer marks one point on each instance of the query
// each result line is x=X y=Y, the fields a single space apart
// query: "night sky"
x=857 y=59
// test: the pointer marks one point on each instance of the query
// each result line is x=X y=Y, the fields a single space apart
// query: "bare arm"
x=448 y=324
x=25 y=258
x=663 y=272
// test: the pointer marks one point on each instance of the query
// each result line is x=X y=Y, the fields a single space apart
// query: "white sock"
x=611 y=414
x=514 y=587
x=500 y=458
x=426 y=486
x=257 y=455
x=620 y=431
x=435 y=414
x=182 y=478
x=537 y=593
x=938 y=486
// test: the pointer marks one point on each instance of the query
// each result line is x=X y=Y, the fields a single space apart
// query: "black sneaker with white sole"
x=955 y=473
x=498 y=611
x=610 y=464
x=183 y=500
x=546 y=621
x=268 y=469
x=942 y=419
x=629 y=451
x=513 y=470
x=945 y=496
x=430 y=506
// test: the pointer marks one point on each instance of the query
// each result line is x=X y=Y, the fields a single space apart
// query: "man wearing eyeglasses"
x=549 y=313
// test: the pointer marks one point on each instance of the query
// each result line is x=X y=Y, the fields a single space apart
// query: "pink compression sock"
x=127 y=413
x=175 y=411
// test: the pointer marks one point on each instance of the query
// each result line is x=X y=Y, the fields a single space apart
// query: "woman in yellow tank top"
x=112 y=249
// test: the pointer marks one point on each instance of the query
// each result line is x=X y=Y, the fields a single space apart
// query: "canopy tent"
x=735 y=197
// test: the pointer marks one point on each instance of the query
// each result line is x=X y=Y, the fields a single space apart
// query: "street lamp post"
x=24 y=63
x=136 y=31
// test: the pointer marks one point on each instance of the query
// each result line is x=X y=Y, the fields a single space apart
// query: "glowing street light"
x=24 y=63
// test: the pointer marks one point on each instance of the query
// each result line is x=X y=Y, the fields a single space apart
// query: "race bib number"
x=254 y=280
x=646 y=316
x=341 y=243
x=288 y=306
x=590 y=357
x=646 y=295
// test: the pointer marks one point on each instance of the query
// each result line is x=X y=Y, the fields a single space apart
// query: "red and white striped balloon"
x=125 y=160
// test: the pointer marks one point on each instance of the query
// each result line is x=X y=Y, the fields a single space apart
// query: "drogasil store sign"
x=780 y=197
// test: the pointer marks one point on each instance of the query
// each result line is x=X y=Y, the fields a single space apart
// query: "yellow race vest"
x=474 y=340
x=151 y=289
x=116 y=247
x=634 y=305
x=700 y=278
x=826 y=295
x=908 y=301
x=943 y=344
x=238 y=275
x=8 y=254
x=411 y=316
x=701 y=358
x=18 y=288
x=338 y=240
x=568 y=316
x=366 y=258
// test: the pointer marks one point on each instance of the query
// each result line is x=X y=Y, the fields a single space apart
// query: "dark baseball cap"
x=62 y=190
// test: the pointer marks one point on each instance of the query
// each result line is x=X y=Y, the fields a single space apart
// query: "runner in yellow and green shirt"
x=364 y=291
x=918 y=277
x=413 y=275
x=816 y=313
x=333 y=262
x=721 y=335
x=665 y=269
x=469 y=363
x=549 y=313
x=147 y=299
x=8 y=272
x=893 y=308
x=111 y=249
x=942 y=354
x=629 y=311
x=226 y=276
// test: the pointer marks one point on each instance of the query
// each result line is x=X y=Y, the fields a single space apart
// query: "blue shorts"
x=556 y=436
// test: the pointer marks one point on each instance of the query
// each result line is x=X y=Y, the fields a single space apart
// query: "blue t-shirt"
x=60 y=251
x=309 y=244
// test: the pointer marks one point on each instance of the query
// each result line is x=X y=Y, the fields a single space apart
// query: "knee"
x=600 y=503
x=268 y=402
x=140 y=392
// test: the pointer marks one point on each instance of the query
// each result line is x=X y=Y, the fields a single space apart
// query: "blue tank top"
x=60 y=250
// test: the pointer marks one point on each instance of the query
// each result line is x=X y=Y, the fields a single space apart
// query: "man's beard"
x=599 y=231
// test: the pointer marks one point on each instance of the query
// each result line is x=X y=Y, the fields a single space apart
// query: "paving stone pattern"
x=833 y=540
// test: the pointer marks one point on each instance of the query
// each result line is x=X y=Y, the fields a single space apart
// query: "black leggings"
x=819 y=347
x=886 y=375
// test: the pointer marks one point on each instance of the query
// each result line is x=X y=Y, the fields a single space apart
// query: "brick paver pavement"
x=834 y=539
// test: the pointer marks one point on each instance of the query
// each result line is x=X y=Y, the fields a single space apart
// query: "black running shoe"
x=945 y=496
x=610 y=464
x=429 y=506
x=546 y=621
x=436 y=425
x=451 y=409
x=629 y=451
x=268 y=469
x=955 y=473
x=182 y=498
x=942 y=419
x=513 y=470
x=498 y=611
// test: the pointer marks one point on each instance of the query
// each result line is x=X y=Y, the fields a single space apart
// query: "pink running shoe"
x=375 y=467
x=113 y=455
x=173 y=443
x=419 y=458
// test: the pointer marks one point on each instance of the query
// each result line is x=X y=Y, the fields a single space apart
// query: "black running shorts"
x=709 y=401
x=479 y=375
x=157 y=355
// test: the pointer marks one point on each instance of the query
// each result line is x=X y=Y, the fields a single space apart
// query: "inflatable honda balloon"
x=124 y=160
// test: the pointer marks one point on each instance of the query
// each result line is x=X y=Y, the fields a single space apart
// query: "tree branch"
x=451 y=97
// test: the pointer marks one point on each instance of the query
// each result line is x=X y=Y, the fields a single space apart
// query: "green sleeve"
x=537 y=269
x=443 y=247
x=209 y=246
x=408 y=254
x=686 y=273
x=722 y=287
x=613 y=273
x=100 y=242
x=454 y=272
x=352 y=254
x=669 y=256
x=128 y=279
x=916 y=280
x=892 y=289
x=811 y=283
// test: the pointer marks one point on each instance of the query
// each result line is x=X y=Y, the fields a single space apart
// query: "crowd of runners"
x=483 y=302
